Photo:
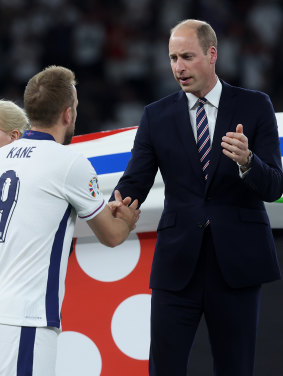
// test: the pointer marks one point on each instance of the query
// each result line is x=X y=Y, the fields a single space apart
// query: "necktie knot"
x=202 y=101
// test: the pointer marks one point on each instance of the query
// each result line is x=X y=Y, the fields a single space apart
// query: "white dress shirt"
x=211 y=108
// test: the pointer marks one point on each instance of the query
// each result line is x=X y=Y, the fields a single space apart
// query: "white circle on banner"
x=77 y=355
x=130 y=326
x=108 y=264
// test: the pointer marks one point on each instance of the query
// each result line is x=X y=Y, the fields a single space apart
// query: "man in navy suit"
x=214 y=246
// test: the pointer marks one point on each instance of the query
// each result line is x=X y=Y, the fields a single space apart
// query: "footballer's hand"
x=118 y=198
x=114 y=205
x=130 y=214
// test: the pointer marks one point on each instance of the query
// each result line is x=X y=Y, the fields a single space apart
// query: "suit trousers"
x=231 y=317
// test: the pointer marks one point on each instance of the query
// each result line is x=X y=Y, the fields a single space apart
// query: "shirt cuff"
x=243 y=174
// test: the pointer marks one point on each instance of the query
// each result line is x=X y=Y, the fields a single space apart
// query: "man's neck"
x=50 y=130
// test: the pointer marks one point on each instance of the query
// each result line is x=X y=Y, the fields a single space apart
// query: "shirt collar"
x=35 y=135
x=213 y=97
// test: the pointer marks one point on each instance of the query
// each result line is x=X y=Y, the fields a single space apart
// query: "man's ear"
x=213 y=54
x=67 y=115
x=14 y=134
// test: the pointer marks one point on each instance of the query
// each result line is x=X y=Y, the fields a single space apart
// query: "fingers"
x=235 y=137
x=236 y=153
x=239 y=128
x=235 y=140
x=129 y=215
x=238 y=135
x=235 y=145
x=127 y=201
x=230 y=155
x=114 y=205
x=134 y=204
x=127 y=210
x=118 y=196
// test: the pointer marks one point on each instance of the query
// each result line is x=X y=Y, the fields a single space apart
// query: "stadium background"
x=118 y=50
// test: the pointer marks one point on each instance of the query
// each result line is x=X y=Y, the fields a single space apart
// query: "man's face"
x=71 y=129
x=193 y=70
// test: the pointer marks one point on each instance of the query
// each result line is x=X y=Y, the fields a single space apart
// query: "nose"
x=179 y=65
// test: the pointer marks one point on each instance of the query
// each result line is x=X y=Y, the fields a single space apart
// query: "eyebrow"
x=182 y=54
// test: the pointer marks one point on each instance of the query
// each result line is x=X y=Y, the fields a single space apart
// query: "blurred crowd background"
x=118 y=50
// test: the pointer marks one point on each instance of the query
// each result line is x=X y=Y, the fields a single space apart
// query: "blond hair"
x=48 y=93
x=12 y=117
x=205 y=33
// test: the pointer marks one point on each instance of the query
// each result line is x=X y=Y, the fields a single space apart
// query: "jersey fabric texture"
x=27 y=351
x=43 y=186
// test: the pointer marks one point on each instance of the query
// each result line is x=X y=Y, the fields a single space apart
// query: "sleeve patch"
x=94 y=187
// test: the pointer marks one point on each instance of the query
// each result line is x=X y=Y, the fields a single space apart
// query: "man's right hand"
x=130 y=214
x=114 y=205
x=121 y=209
x=114 y=223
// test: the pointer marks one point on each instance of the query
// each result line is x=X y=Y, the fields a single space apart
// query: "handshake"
x=123 y=210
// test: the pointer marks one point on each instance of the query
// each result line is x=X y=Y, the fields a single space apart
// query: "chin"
x=187 y=89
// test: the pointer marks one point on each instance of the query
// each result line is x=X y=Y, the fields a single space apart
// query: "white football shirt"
x=44 y=186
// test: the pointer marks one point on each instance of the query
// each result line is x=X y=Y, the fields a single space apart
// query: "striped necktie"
x=203 y=138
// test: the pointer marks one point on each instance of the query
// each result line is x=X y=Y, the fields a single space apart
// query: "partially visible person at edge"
x=217 y=148
x=45 y=186
x=13 y=122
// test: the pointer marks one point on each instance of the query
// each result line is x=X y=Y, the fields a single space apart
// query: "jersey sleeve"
x=82 y=189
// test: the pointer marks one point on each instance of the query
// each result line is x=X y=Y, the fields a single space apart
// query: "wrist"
x=245 y=167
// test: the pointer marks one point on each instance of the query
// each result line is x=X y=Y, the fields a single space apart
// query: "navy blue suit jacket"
x=240 y=226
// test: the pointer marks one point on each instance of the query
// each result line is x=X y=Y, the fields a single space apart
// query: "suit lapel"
x=226 y=110
x=185 y=133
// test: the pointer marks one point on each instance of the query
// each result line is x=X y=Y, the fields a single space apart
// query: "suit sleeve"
x=139 y=175
x=265 y=176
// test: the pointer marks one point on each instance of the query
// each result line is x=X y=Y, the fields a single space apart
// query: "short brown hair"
x=12 y=117
x=48 y=93
x=205 y=33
